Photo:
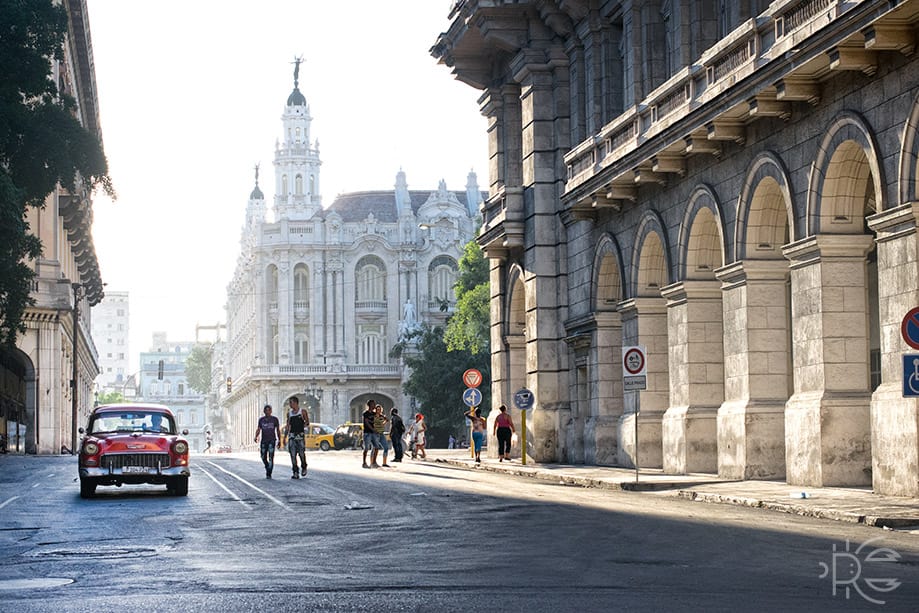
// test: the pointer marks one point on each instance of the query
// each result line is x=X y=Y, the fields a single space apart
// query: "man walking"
x=269 y=429
x=396 y=430
x=379 y=433
x=297 y=423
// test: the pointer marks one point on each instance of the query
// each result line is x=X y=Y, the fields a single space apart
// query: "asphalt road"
x=425 y=536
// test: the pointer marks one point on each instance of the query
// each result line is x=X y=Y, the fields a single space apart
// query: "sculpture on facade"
x=409 y=320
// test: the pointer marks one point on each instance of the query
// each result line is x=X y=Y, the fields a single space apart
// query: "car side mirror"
x=185 y=432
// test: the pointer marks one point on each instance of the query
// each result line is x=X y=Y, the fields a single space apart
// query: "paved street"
x=426 y=536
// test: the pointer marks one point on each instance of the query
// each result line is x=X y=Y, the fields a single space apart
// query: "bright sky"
x=191 y=94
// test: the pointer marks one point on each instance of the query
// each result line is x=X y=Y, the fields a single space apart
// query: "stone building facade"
x=731 y=185
x=320 y=295
x=110 y=329
x=55 y=357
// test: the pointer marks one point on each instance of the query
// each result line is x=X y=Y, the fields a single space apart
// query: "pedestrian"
x=269 y=430
x=368 y=432
x=479 y=426
x=207 y=441
x=297 y=423
x=504 y=430
x=379 y=432
x=396 y=430
x=451 y=442
x=418 y=429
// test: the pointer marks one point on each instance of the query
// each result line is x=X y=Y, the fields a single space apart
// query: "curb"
x=678 y=490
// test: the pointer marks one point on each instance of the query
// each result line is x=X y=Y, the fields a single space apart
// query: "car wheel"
x=87 y=488
x=324 y=445
x=178 y=486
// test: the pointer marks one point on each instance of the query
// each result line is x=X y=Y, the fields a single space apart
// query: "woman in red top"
x=504 y=430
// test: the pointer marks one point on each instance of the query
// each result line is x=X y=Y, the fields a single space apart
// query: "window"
x=181 y=389
x=298 y=185
x=301 y=345
x=371 y=280
x=371 y=344
x=283 y=185
x=301 y=287
x=441 y=277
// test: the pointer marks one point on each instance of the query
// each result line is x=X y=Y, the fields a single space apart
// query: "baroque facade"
x=55 y=358
x=732 y=186
x=321 y=295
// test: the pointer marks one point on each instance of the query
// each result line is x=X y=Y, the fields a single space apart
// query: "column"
x=696 y=369
x=605 y=372
x=751 y=421
x=827 y=421
x=644 y=322
x=895 y=419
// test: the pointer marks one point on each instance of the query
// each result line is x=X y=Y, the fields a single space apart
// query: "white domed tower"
x=296 y=160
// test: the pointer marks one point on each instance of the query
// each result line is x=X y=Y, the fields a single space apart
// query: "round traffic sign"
x=523 y=399
x=472 y=397
x=910 y=328
x=633 y=361
x=472 y=378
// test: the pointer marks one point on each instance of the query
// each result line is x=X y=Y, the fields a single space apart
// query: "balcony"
x=371 y=307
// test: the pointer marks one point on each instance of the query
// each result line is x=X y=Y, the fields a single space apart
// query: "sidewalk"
x=855 y=504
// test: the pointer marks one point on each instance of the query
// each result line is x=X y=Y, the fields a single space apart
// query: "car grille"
x=149 y=460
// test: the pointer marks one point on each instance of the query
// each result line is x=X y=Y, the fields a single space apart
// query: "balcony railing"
x=733 y=59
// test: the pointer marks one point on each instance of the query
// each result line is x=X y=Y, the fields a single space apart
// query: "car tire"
x=324 y=445
x=87 y=488
x=178 y=486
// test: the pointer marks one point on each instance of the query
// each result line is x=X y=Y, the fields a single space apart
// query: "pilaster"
x=827 y=421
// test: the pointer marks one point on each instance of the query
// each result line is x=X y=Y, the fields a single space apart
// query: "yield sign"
x=472 y=378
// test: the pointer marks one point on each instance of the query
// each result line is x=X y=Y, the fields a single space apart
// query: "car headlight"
x=90 y=448
x=181 y=447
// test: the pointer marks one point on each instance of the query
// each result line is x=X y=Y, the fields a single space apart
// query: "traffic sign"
x=634 y=365
x=472 y=378
x=472 y=397
x=523 y=399
x=634 y=362
x=911 y=375
x=910 y=328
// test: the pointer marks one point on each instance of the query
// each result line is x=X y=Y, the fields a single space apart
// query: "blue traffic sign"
x=523 y=399
x=472 y=397
x=911 y=375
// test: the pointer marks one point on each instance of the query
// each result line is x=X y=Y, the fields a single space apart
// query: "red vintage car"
x=133 y=443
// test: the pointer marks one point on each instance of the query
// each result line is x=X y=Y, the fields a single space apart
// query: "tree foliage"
x=438 y=357
x=110 y=398
x=469 y=326
x=42 y=144
x=198 y=367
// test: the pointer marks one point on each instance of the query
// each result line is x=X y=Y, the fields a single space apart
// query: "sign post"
x=634 y=378
x=472 y=398
x=523 y=400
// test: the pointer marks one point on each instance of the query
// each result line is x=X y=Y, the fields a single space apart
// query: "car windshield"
x=327 y=429
x=132 y=421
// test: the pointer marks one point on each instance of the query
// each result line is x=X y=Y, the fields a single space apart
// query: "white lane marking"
x=252 y=485
x=234 y=496
x=7 y=501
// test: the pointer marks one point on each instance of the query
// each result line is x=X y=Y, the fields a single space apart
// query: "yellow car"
x=320 y=436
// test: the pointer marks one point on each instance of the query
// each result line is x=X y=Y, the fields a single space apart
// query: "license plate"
x=134 y=469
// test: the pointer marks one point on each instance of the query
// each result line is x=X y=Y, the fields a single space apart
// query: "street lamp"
x=314 y=392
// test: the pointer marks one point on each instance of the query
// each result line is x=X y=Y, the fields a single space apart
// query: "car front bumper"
x=116 y=476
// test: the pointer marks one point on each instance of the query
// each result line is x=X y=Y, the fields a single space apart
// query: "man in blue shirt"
x=269 y=429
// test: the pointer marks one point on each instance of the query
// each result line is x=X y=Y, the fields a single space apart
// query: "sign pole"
x=523 y=437
x=636 y=443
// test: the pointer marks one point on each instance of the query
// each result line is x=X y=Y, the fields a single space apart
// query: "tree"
x=110 y=398
x=469 y=326
x=198 y=367
x=42 y=144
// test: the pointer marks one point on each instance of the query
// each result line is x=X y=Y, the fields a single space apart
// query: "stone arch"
x=909 y=156
x=20 y=404
x=651 y=262
x=765 y=213
x=702 y=242
x=358 y=403
x=608 y=274
x=846 y=178
x=515 y=315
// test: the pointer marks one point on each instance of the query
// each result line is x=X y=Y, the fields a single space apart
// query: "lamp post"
x=314 y=392
x=74 y=396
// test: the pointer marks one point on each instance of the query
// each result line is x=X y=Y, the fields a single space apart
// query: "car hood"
x=133 y=442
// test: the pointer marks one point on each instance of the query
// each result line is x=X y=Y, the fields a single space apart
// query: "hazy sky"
x=191 y=94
